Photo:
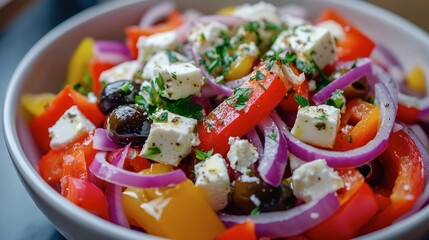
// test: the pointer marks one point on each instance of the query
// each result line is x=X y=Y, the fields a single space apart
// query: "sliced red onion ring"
x=112 y=174
x=358 y=156
x=156 y=13
x=111 y=51
x=384 y=56
x=423 y=199
x=216 y=88
x=379 y=75
x=238 y=82
x=291 y=222
x=114 y=192
x=254 y=139
x=103 y=142
x=272 y=164
x=363 y=68
x=228 y=20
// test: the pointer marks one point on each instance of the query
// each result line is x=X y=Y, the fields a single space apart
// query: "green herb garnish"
x=172 y=58
x=240 y=96
x=258 y=76
x=152 y=151
x=163 y=117
x=273 y=135
x=201 y=155
x=302 y=101
x=337 y=99
x=126 y=87
x=255 y=211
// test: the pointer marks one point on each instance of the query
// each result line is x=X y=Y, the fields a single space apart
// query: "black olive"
x=117 y=93
x=128 y=124
x=271 y=198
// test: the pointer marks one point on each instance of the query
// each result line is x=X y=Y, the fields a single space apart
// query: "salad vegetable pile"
x=254 y=122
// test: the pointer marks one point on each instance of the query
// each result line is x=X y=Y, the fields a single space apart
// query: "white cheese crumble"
x=212 y=175
x=204 y=37
x=170 y=139
x=123 y=71
x=242 y=154
x=313 y=180
x=148 y=45
x=317 y=125
x=69 y=127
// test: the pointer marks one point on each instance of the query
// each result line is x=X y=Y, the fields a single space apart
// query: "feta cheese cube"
x=313 y=180
x=123 y=71
x=242 y=154
x=334 y=28
x=158 y=59
x=258 y=12
x=171 y=138
x=148 y=45
x=317 y=125
x=295 y=162
x=281 y=43
x=212 y=176
x=310 y=42
x=69 y=127
x=205 y=37
x=179 y=80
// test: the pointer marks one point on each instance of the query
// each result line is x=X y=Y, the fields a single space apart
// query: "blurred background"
x=22 y=23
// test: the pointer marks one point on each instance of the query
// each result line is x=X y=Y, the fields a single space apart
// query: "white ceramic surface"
x=44 y=66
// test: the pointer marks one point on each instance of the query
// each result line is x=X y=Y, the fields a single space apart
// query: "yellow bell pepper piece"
x=35 y=103
x=79 y=61
x=179 y=212
x=240 y=68
x=226 y=10
x=416 y=79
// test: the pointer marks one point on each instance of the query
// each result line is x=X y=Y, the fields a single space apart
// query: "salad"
x=253 y=122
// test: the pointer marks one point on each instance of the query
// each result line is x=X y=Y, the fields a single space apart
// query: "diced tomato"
x=244 y=230
x=349 y=218
x=134 y=32
x=96 y=67
x=225 y=120
x=355 y=44
x=64 y=100
x=407 y=114
x=401 y=180
x=353 y=180
x=288 y=103
x=74 y=165
x=79 y=156
x=87 y=196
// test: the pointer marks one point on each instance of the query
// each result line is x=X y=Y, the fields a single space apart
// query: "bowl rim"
x=36 y=184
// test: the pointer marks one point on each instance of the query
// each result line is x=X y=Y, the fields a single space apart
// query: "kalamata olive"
x=117 y=93
x=248 y=190
x=128 y=124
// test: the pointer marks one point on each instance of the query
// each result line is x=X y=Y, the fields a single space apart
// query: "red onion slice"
x=272 y=164
x=156 y=13
x=357 y=156
x=254 y=139
x=111 y=51
x=112 y=174
x=103 y=142
x=363 y=68
x=114 y=192
x=384 y=56
x=291 y=222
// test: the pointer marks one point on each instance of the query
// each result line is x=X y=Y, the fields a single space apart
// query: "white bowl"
x=45 y=64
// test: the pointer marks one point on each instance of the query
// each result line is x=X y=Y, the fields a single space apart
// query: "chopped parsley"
x=305 y=67
x=126 y=87
x=201 y=155
x=350 y=138
x=159 y=81
x=172 y=58
x=240 y=96
x=337 y=99
x=258 y=76
x=274 y=57
x=134 y=154
x=273 y=135
x=163 y=117
x=322 y=116
x=152 y=151
x=255 y=211
x=262 y=86
x=325 y=80
x=302 y=101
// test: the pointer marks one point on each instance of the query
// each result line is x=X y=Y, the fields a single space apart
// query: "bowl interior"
x=43 y=70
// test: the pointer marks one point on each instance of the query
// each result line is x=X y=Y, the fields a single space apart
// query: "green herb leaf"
x=350 y=138
x=323 y=116
x=159 y=81
x=163 y=117
x=258 y=76
x=337 y=99
x=240 y=96
x=302 y=101
x=303 y=66
x=152 y=151
x=182 y=107
x=255 y=211
x=201 y=155
x=126 y=87
x=273 y=135
x=172 y=58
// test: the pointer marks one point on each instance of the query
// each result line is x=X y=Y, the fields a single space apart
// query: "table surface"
x=19 y=216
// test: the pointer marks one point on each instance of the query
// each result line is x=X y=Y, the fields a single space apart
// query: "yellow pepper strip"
x=179 y=212
x=416 y=79
x=226 y=10
x=35 y=103
x=79 y=61
x=240 y=68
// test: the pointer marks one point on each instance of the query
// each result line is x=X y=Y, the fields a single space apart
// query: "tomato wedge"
x=355 y=44
x=226 y=120
x=87 y=196
x=401 y=180
x=244 y=230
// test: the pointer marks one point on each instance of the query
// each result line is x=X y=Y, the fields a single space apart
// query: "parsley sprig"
x=302 y=101
x=201 y=155
x=239 y=98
